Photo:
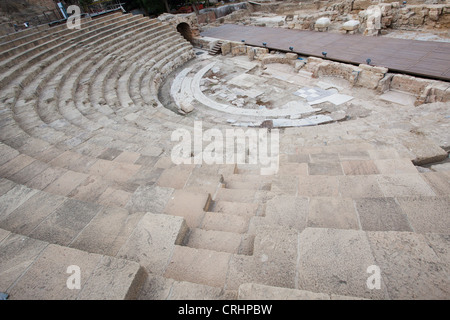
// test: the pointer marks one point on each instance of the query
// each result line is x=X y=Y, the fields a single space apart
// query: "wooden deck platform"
x=428 y=59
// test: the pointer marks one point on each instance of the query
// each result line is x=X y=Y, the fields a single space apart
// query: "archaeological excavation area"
x=353 y=97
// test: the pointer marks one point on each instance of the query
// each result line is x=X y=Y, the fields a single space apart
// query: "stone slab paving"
x=153 y=241
x=66 y=222
x=359 y=167
x=6 y=185
x=404 y=185
x=15 y=165
x=224 y=222
x=29 y=172
x=221 y=241
x=325 y=168
x=440 y=183
x=254 y=291
x=160 y=288
x=66 y=183
x=320 y=185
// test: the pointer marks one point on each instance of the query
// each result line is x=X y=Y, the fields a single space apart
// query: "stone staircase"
x=86 y=179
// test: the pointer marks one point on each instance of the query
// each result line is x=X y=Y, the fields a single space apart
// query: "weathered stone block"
x=322 y=23
x=409 y=84
x=157 y=235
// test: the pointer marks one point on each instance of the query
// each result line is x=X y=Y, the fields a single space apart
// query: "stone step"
x=36 y=270
x=153 y=241
x=161 y=288
x=248 y=169
x=293 y=169
x=243 y=209
x=220 y=241
x=95 y=39
x=273 y=261
x=35 y=34
x=58 y=36
x=66 y=221
x=439 y=181
x=441 y=167
x=250 y=185
x=5 y=186
x=426 y=214
x=216 y=48
x=248 y=181
x=352 y=252
x=14 y=198
x=247 y=177
x=341 y=148
x=199 y=266
x=175 y=177
x=225 y=222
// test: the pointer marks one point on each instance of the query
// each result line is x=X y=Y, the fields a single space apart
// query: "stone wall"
x=49 y=4
x=206 y=17
x=175 y=19
x=16 y=12
x=378 y=17
x=427 y=91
